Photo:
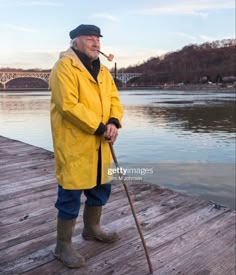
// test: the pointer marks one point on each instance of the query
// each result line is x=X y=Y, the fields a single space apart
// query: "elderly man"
x=86 y=114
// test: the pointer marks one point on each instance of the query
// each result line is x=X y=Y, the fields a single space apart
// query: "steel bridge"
x=5 y=77
x=126 y=77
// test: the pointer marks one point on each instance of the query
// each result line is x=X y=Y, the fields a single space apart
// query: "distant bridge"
x=5 y=77
x=126 y=77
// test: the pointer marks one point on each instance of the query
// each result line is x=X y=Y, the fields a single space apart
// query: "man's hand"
x=111 y=133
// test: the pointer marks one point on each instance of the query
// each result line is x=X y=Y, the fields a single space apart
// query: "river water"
x=185 y=138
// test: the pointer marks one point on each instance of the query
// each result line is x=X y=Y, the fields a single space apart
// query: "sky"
x=33 y=33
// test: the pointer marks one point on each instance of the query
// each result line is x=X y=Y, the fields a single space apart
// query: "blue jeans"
x=68 y=201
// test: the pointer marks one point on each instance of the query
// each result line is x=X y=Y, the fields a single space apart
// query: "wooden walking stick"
x=132 y=208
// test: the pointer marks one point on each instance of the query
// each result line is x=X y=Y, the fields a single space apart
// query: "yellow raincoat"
x=78 y=105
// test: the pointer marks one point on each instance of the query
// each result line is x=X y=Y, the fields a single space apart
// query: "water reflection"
x=21 y=102
x=25 y=117
x=202 y=118
x=178 y=126
x=158 y=127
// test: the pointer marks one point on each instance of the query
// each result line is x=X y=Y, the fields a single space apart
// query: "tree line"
x=207 y=62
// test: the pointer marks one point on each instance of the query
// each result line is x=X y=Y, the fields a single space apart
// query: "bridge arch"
x=126 y=77
x=5 y=77
x=27 y=82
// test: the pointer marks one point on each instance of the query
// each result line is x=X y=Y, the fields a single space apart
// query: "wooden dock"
x=184 y=235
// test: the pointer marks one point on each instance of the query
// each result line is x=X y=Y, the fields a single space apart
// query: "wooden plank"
x=17 y=194
x=184 y=235
x=136 y=260
x=26 y=198
x=201 y=249
x=130 y=225
x=129 y=232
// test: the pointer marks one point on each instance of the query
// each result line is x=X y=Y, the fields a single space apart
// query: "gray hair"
x=73 y=41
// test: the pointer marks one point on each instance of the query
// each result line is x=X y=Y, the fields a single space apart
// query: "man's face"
x=89 y=45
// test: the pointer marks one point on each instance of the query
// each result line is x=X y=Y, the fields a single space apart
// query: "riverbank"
x=20 y=90
x=166 y=87
x=185 y=87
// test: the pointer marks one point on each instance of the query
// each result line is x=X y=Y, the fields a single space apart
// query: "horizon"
x=151 y=57
x=34 y=33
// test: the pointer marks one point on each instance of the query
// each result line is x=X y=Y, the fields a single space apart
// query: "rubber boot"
x=92 y=229
x=64 y=250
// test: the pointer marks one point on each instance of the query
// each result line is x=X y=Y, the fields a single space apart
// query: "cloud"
x=187 y=36
x=186 y=7
x=40 y=3
x=29 y=59
x=107 y=16
x=40 y=51
x=126 y=57
x=17 y=28
x=7 y=3
x=207 y=38
x=198 y=38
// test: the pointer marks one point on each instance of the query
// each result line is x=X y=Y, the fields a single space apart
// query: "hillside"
x=214 y=62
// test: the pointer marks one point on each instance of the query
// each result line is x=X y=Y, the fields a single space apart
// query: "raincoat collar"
x=76 y=62
x=93 y=67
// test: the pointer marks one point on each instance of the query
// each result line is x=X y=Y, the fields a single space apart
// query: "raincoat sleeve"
x=65 y=95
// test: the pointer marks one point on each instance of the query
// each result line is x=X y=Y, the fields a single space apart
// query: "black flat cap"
x=85 y=30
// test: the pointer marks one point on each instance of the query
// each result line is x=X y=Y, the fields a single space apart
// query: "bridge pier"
x=4 y=85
